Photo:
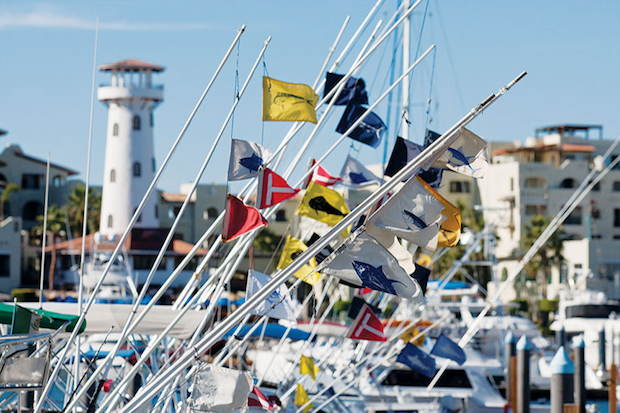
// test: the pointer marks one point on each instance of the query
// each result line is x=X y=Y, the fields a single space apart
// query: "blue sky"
x=569 y=48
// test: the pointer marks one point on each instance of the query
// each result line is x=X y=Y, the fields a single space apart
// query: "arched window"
x=112 y=175
x=57 y=181
x=568 y=183
x=136 y=122
x=152 y=121
x=137 y=169
x=31 y=210
x=535 y=182
x=110 y=221
x=210 y=213
x=2 y=181
x=115 y=130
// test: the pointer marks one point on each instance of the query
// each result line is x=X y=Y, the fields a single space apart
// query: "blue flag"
x=404 y=152
x=421 y=275
x=353 y=91
x=417 y=360
x=369 y=131
x=444 y=347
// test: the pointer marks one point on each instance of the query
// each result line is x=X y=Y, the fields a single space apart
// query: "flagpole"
x=133 y=220
x=429 y=155
x=584 y=188
x=405 y=84
x=47 y=192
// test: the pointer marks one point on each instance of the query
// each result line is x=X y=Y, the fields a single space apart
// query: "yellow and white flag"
x=292 y=249
x=288 y=101
x=450 y=229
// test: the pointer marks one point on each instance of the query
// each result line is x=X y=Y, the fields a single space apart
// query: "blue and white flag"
x=417 y=360
x=369 y=131
x=246 y=159
x=467 y=156
x=277 y=305
x=355 y=174
x=444 y=347
x=363 y=262
x=412 y=214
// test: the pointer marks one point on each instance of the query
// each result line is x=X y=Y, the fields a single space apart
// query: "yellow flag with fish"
x=284 y=101
x=323 y=204
x=292 y=248
x=450 y=229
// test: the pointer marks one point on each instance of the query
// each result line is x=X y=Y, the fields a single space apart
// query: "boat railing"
x=21 y=367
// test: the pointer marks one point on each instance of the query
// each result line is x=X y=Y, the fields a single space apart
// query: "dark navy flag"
x=421 y=275
x=404 y=152
x=369 y=131
x=356 y=305
x=444 y=347
x=417 y=360
x=353 y=91
x=324 y=253
x=430 y=137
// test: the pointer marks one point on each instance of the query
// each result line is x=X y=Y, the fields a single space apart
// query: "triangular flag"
x=417 y=360
x=220 y=389
x=444 y=347
x=354 y=90
x=258 y=399
x=246 y=158
x=421 y=275
x=288 y=101
x=355 y=174
x=301 y=398
x=367 y=326
x=369 y=131
x=450 y=229
x=292 y=249
x=322 y=177
x=362 y=261
x=424 y=260
x=404 y=152
x=307 y=366
x=240 y=219
x=272 y=189
x=24 y=321
x=323 y=204
x=467 y=155
x=277 y=305
x=413 y=213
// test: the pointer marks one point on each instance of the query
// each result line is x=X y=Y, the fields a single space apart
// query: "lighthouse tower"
x=129 y=168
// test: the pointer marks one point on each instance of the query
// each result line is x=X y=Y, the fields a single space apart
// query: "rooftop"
x=565 y=147
x=73 y=246
x=570 y=130
x=131 y=65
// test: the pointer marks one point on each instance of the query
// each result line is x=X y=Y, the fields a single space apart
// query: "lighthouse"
x=131 y=98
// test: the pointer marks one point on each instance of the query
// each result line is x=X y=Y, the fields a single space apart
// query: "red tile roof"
x=178 y=246
x=131 y=64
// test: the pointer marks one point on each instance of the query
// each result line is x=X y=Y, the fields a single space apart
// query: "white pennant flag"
x=412 y=214
x=467 y=156
x=364 y=262
x=277 y=305
x=246 y=158
x=355 y=174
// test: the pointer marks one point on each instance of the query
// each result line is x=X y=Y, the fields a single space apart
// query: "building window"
x=115 y=130
x=112 y=175
x=152 y=121
x=575 y=217
x=616 y=236
x=536 y=210
x=32 y=210
x=459 y=187
x=616 y=217
x=210 y=213
x=281 y=216
x=173 y=211
x=110 y=221
x=145 y=262
x=611 y=159
x=57 y=181
x=535 y=182
x=2 y=181
x=616 y=186
x=137 y=169
x=597 y=187
x=136 y=122
x=5 y=265
x=154 y=167
x=32 y=181
x=568 y=183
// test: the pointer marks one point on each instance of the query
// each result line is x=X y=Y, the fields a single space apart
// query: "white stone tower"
x=129 y=168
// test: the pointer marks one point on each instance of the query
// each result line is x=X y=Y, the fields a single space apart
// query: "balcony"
x=109 y=92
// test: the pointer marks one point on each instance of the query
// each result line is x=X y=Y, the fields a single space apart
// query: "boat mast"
x=405 y=84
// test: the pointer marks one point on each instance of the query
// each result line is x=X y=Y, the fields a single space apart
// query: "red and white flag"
x=258 y=399
x=240 y=218
x=367 y=326
x=272 y=189
x=322 y=177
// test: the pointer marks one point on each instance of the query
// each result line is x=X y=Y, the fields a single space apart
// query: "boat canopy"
x=49 y=319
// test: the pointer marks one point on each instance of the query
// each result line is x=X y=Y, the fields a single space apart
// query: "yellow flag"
x=288 y=101
x=301 y=398
x=424 y=260
x=410 y=334
x=307 y=366
x=450 y=230
x=292 y=248
x=323 y=204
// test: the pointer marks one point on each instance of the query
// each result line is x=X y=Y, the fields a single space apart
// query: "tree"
x=4 y=198
x=55 y=225
x=75 y=210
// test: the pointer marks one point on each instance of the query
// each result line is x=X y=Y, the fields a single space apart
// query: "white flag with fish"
x=246 y=159
x=277 y=305
x=412 y=214
x=363 y=262
x=467 y=156
x=355 y=174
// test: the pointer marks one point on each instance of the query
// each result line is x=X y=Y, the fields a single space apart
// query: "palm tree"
x=4 y=198
x=55 y=226
x=75 y=210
